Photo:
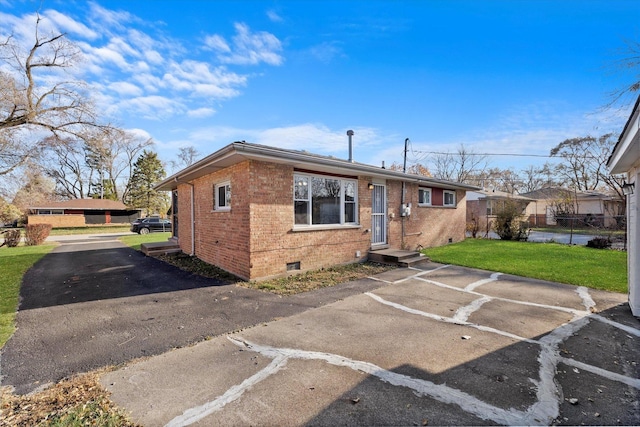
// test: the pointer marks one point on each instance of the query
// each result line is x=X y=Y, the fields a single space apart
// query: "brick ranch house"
x=258 y=211
x=81 y=212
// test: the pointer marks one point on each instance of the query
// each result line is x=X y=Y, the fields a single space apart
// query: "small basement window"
x=291 y=266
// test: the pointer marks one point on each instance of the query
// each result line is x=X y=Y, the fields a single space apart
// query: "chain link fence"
x=580 y=229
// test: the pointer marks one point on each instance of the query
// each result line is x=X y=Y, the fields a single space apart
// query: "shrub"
x=11 y=238
x=36 y=234
x=473 y=227
x=599 y=243
x=509 y=223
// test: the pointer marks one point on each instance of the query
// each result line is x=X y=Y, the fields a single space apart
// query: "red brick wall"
x=256 y=238
x=58 y=220
x=274 y=243
x=222 y=237
x=184 y=218
x=426 y=226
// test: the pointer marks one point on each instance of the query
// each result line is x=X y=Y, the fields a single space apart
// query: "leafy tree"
x=38 y=189
x=147 y=172
x=8 y=212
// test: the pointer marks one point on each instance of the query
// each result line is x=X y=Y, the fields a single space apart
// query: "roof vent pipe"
x=350 y=134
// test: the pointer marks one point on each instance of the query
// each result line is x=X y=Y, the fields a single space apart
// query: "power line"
x=483 y=154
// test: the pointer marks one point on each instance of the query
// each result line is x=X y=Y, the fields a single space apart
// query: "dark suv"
x=147 y=225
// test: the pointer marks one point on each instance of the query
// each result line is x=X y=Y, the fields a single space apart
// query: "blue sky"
x=510 y=77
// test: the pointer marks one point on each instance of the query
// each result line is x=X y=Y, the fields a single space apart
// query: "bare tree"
x=186 y=157
x=498 y=179
x=460 y=166
x=415 y=169
x=584 y=164
x=534 y=178
x=99 y=164
x=65 y=162
x=630 y=61
x=35 y=99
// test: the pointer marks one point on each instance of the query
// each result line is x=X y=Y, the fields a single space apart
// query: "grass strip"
x=77 y=401
x=14 y=262
x=95 y=229
x=575 y=265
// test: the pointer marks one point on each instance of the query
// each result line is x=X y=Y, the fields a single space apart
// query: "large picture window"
x=324 y=200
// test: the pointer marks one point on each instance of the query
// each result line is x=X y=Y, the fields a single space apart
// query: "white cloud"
x=312 y=137
x=217 y=43
x=248 y=48
x=125 y=88
x=273 y=16
x=201 y=80
x=326 y=52
x=153 y=107
x=201 y=113
x=66 y=24
x=110 y=18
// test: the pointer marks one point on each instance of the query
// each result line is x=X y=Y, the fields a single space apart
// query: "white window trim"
x=217 y=206
x=444 y=203
x=310 y=226
x=428 y=190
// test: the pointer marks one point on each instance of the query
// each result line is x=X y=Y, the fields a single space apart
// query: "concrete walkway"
x=439 y=345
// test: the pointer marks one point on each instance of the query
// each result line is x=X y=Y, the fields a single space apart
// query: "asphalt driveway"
x=93 y=302
x=438 y=345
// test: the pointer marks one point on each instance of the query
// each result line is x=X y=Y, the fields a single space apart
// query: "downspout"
x=402 y=201
x=193 y=220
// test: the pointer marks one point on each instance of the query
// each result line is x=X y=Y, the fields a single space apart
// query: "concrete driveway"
x=439 y=345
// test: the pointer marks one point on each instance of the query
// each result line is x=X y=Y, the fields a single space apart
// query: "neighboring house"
x=483 y=205
x=80 y=212
x=625 y=159
x=587 y=207
x=258 y=211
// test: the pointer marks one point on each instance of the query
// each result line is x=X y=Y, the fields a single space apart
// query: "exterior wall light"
x=370 y=186
x=627 y=188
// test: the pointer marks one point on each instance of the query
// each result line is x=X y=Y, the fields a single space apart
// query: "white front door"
x=378 y=215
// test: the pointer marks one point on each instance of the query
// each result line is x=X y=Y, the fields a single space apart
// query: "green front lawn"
x=14 y=262
x=575 y=265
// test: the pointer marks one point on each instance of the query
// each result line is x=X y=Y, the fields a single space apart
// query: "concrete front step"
x=159 y=248
x=396 y=257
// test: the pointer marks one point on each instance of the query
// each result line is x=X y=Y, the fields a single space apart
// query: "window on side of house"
x=50 y=211
x=449 y=198
x=324 y=200
x=222 y=196
x=424 y=197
